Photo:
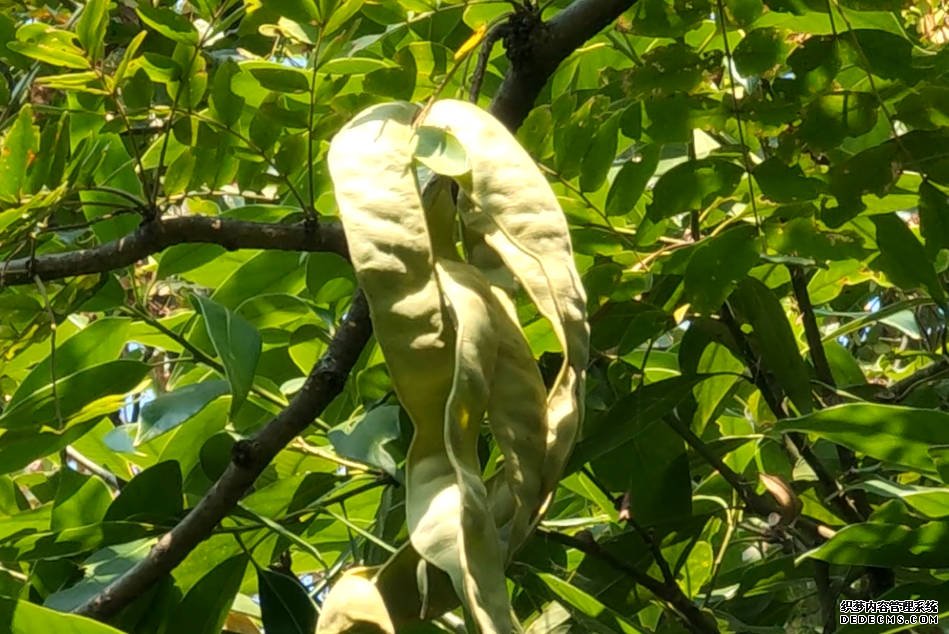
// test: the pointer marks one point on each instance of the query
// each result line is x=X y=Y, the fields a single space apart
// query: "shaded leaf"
x=692 y=186
x=285 y=606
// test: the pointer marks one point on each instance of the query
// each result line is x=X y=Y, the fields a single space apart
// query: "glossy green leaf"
x=365 y=439
x=89 y=393
x=99 y=570
x=169 y=23
x=23 y=617
x=51 y=46
x=644 y=407
x=17 y=148
x=80 y=500
x=91 y=27
x=280 y=78
x=599 y=157
x=897 y=435
x=169 y=410
x=236 y=342
x=586 y=604
x=355 y=65
x=659 y=18
x=887 y=545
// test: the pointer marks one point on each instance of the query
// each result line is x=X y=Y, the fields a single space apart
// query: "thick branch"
x=249 y=459
x=153 y=237
x=558 y=39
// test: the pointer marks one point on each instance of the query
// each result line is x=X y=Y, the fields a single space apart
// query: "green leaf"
x=236 y=342
x=154 y=495
x=745 y=12
x=933 y=218
x=888 y=545
x=91 y=27
x=829 y=119
x=89 y=393
x=667 y=70
x=179 y=173
x=903 y=258
x=204 y=608
x=17 y=149
x=756 y=305
x=81 y=500
x=365 y=439
x=226 y=106
x=760 y=51
x=884 y=54
x=87 y=81
x=572 y=139
x=629 y=416
x=659 y=18
x=897 y=435
x=285 y=606
x=931 y=502
x=100 y=569
x=169 y=410
x=21 y=447
x=52 y=46
x=169 y=23
x=23 y=617
x=784 y=183
x=329 y=278
x=586 y=604
x=599 y=157
x=716 y=266
x=630 y=181
x=269 y=272
x=276 y=77
x=355 y=65
x=626 y=325
x=692 y=186
x=660 y=485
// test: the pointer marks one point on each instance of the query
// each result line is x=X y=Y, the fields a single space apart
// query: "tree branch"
x=249 y=458
x=551 y=44
x=155 y=236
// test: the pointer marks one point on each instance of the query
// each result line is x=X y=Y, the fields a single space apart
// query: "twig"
x=693 y=618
